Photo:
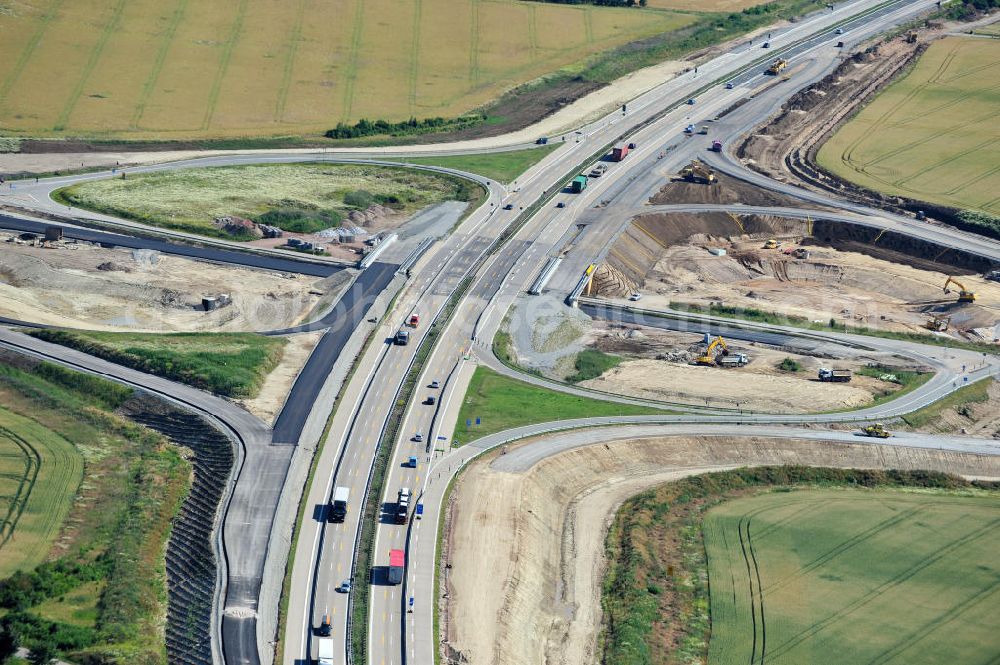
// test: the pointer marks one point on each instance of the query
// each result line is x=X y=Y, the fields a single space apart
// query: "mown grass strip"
x=959 y=400
x=230 y=364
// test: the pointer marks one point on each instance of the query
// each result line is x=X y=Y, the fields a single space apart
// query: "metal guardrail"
x=546 y=274
x=374 y=254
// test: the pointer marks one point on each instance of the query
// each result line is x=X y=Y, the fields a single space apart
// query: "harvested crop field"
x=525 y=547
x=154 y=70
x=298 y=198
x=932 y=135
x=78 y=285
x=846 y=576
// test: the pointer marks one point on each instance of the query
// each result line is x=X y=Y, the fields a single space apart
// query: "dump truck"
x=338 y=507
x=964 y=295
x=578 y=184
x=402 y=338
x=324 y=651
x=777 y=67
x=397 y=563
x=716 y=146
x=698 y=172
x=732 y=360
x=876 y=430
x=619 y=152
x=834 y=375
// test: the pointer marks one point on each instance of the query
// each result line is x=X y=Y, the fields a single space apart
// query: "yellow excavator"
x=964 y=295
x=876 y=430
x=938 y=323
x=708 y=358
x=698 y=172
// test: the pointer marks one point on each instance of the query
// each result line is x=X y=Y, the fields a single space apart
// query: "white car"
x=635 y=296
x=345 y=587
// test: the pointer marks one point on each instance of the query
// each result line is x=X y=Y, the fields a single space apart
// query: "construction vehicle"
x=938 y=323
x=834 y=375
x=777 y=67
x=708 y=358
x=716 y=146
x=771 y=244
x=732 y=360
x=964 y=295
x=876 y=430
x=338 y=507
x=698 y=172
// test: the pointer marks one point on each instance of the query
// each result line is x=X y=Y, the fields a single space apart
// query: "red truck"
x=414 y=320
x=397 y=562
x=618 y=153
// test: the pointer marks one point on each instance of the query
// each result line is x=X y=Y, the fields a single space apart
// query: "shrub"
x=300 y=219
x=789 y=365
x=359 y=199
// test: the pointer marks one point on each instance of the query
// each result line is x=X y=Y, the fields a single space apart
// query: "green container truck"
x=579 y=184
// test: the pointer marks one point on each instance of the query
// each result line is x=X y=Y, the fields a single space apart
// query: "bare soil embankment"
x=525 y=551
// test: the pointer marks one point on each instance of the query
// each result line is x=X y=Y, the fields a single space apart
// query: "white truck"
x=324 y=651
x=338 y=507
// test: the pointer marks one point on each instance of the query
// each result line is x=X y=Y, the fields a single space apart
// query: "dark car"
x=509 y=206
x=691 y=101
x=431 y=400
x=326 y=627
x=561 y=204
x=631 y=146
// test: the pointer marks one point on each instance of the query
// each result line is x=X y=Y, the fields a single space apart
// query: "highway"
x=325 y=554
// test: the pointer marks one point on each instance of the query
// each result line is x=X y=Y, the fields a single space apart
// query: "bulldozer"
x=777 y=67
x=698 y=172
x=938 y=323
x=964 y=295
x=876 y=430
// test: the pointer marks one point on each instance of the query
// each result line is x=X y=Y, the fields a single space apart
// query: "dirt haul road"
x=524 y=547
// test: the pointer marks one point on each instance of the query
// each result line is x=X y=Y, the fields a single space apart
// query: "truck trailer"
x=619 y=152
x=578 y=184
x=338 y=507
x=397 y=562
x=324 y=651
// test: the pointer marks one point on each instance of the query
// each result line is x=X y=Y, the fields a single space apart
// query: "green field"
x=843 y=576
x=933 y=135
x=502 y=403
x=501 y=166
x=230 y=364
x=39 y=475
x=297 y=197
x=83 y=571
x=181 y=69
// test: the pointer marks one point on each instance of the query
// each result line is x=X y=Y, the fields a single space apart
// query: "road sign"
x=479 y=420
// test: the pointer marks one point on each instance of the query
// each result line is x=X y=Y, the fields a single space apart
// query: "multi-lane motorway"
x=498 y=271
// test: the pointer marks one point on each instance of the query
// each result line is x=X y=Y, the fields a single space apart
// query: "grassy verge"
x=503 y=167
x=502 y=403
x=774 y=318
x=99 y=595
x=296 y=197
x=656 y=593
x=590 y=364
x=230 y=364
x=959 y=401
x=907 y=381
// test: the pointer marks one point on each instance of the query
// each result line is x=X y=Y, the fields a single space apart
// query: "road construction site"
x=523 y=559
x=82 y=285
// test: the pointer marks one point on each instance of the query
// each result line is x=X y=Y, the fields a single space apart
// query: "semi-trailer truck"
x=324 y=651
x=397 y=562
x=338 y=507
x=578 y=184
x=618 y=153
